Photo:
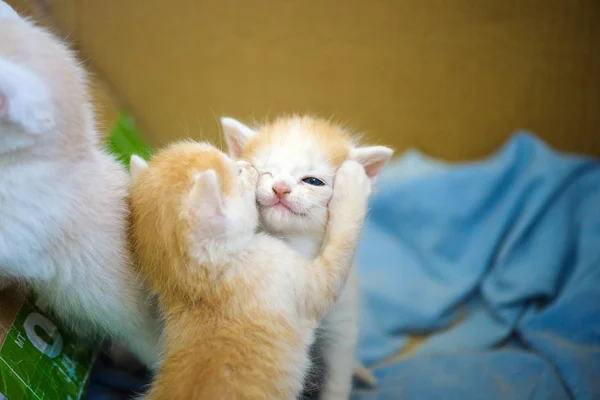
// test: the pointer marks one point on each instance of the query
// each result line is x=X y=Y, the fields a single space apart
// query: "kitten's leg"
x=339 y=330
x=347 y=209
x=338 y=333
x=25 y=99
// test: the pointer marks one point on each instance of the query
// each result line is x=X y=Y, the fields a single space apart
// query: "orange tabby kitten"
x=240 y=307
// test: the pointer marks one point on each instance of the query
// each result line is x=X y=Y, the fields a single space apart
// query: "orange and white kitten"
x=296 y=158
x=240 y=307
x=63 y=211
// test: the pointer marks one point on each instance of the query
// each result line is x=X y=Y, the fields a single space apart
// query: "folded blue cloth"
x=512 y=242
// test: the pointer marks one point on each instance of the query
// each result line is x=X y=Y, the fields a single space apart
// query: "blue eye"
x=313 y=181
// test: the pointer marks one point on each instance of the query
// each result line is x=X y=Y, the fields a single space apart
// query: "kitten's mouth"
x=281 y=207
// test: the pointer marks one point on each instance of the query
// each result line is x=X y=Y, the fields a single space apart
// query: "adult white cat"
x=63 y=211
x=297 y=158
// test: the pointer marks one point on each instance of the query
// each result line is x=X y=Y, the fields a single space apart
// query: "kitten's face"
x=296 y=159
x=295 y=185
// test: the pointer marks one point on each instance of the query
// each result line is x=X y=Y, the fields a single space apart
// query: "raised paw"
x=25 y=100
x=351 y=179
x=351 y=189
x=34 y=115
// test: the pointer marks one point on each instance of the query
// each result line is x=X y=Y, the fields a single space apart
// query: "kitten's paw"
x=351 y=190
x=351 y=181
x=31 y=112
x=25 y=99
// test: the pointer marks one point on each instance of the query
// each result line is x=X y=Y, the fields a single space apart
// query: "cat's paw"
x=351 y=186
x=33 y=112
x=25 y=99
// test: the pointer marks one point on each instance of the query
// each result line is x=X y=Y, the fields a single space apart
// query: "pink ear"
x=206 y=214
x=373 y=159
x=205 y=197
x=236 y=136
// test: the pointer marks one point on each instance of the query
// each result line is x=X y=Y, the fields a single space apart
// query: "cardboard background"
x=454 y=78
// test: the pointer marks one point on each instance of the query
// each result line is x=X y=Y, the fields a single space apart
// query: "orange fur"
x=238 y=322
x=332 y=139
x=220 y=356
x=158 y=230
x=202 y=335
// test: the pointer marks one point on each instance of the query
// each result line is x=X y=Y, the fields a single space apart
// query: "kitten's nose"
x=281 y=188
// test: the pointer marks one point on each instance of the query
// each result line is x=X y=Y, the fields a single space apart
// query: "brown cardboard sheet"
x=453 y=78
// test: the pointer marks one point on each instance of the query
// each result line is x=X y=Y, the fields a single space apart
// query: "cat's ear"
x=372 y=158
x=236 y=136
x=206 y=202
x=6 y=11
x=136 y=165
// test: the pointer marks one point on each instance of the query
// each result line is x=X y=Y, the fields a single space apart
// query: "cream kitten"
x=297 y=158
x=63 y=208
x=240 y=307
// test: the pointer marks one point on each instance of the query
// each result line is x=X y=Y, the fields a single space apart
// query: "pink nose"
x=280 y=188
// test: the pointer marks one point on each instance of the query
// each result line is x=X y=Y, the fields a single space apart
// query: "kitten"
x=240 y=307
x=296 y=158
x=63 y=208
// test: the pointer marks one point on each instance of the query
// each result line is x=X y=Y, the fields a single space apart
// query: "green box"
x=39 y=360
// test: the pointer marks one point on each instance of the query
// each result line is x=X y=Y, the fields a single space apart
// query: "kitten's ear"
x=136 y=165
x=373 y=158
x=236 y=136
x=205 y=198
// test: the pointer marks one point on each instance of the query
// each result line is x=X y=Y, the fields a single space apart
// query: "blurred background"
x=452 y=78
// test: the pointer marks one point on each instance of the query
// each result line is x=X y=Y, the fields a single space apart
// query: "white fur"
x=62 y=198
x=26 y=100
x=6 y=12
x=292 y=158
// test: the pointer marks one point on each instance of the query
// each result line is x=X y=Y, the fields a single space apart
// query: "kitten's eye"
x=313 y=181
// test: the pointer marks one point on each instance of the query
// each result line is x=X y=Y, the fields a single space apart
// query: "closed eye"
x=311 y=180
